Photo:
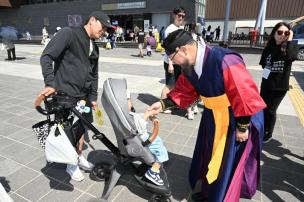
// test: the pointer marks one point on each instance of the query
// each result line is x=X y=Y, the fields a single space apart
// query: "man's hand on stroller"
x=47 y=91
x=94 y=105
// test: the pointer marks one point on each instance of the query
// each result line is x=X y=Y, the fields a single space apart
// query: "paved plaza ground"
x=26 y=176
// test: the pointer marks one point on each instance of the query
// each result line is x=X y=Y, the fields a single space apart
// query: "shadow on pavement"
x=137 y=56
x=281 y=172
x=163 y=81
x=175 y=168
x=56 y=173
x=17 y=58
x=147 y=99
x=299 y=76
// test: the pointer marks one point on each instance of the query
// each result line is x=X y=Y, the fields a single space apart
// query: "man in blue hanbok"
x=227 y=151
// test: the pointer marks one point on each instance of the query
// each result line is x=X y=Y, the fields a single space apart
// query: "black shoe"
x=133 y=109
x=198 y=197
x=267 y=137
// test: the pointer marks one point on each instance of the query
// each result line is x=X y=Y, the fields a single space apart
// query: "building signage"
x=128 y=5
x=146 y=25
x=74 y=20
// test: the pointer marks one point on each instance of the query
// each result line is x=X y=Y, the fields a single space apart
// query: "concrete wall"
x=32 y=17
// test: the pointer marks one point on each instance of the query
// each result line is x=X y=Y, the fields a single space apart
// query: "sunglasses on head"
x=181 y=15
x=280 y=32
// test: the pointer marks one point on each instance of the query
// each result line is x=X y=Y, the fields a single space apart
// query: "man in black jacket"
x=75 y=71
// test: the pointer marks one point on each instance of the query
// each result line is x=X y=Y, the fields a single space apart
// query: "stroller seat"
x=130 y=145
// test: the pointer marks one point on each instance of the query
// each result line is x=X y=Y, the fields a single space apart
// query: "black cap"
x=102 y=17
x=175 y=40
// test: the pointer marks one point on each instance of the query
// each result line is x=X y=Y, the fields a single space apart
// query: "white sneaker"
x=74 y=172
x=195 y=109
x=84 y=163
x=190 y=115
x=168 y=111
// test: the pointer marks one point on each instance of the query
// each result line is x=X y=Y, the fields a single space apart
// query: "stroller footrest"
x=163 y=190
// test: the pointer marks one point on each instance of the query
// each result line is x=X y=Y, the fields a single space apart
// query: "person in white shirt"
x=172 y=71
x=45 y=35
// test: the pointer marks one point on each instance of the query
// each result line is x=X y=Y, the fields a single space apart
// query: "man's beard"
x=187 y=68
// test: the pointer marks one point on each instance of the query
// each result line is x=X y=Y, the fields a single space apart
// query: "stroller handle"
x=38 y=107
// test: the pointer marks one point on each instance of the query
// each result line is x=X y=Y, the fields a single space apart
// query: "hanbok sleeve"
x=240 y=88
x=184 y=94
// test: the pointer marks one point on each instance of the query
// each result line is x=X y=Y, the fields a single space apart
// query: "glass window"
x=46 y=21
x=29 y=20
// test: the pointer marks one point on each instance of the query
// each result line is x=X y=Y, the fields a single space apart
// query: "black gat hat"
x=175 y=40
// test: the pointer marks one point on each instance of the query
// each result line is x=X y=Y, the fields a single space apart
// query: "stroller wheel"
x=160 y=198
x=100 y=172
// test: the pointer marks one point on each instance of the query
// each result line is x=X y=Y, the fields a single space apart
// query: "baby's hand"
x=150 y=114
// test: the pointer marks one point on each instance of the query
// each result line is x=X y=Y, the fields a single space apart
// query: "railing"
x=247 y=39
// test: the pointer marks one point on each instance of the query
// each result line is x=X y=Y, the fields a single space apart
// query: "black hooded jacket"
x=75 y=72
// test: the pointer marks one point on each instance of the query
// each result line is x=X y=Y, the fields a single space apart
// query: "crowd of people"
x=236 y=119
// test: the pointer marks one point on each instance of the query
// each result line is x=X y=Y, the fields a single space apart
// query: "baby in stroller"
x=143 y=123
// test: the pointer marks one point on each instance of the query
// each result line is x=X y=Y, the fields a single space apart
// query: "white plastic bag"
x=4 y=197
x=59 y=148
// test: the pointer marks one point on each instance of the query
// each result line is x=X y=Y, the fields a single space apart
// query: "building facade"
x=243 y=13
x=32 y=15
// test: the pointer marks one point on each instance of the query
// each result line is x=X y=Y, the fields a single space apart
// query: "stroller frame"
x=112 y=173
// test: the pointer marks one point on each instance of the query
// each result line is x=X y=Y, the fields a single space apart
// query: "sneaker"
x=195 y=109
x=267 y=137
x=154 y=177
x=74 y=172
x=168 y=111
x=84 y=164
x=190 y=115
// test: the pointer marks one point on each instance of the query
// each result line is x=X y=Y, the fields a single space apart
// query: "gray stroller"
x=130 y=153
x=130 y=145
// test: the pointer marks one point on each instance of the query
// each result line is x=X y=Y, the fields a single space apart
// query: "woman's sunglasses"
x=181 y=15
x=280 y=32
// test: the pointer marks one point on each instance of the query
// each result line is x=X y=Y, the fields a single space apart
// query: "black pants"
x=272 y=100
x=11 y=54
x=171 y=78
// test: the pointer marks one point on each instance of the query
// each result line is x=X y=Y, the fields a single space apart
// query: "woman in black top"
x=276 y=60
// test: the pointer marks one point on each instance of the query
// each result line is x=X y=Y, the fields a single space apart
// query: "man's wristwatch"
x=242 y=127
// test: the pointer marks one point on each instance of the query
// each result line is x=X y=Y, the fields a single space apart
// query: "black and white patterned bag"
x=41 y=130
